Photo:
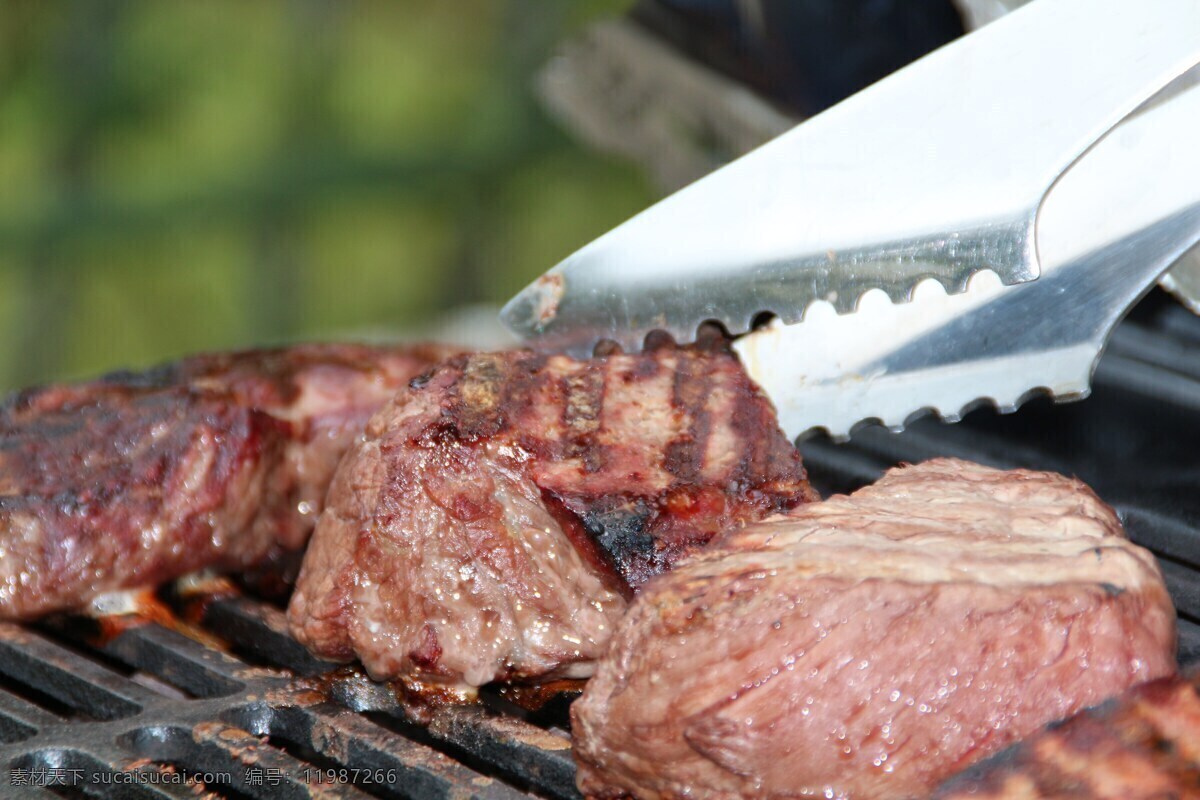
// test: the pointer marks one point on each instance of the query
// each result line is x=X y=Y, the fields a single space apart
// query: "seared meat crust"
x=216 y=460
x=871 y=645
x=500 y=511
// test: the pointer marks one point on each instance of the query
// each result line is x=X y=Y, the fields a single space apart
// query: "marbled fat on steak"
x=214 y=461
x=496 y=518
x=874 y=644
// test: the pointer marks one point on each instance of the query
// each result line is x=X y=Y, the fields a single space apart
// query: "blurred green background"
x=179 y=176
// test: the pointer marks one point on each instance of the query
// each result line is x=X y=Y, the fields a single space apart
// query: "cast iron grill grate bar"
x=243 y=721
x=260 y=630
x=20 y=719
x=1189 y=642
x=257 y=706
x=525 y=752
x=1184 y=586
x=88 y=775
x=182 y=662
x=79 y=683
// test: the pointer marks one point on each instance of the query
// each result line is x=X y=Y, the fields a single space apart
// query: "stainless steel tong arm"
x=1107 y=230
x=936 y=172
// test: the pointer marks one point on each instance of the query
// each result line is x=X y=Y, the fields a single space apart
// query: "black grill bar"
x=1189 y=642
x=215 y=746
x=541 y=759
x=272 y=733
x=20 y=719
x=1165 y=535
x=198 y=670
x=1184 y=585
x=525 y=753
x=77 y=682
x=260 y=631
x=343 y=736
x=13 y=713
x=80 y=773
x=522 y=752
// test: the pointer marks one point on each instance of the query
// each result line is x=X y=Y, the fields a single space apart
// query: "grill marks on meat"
x=213 y=461
x=654 y=454
x=506 y=505
x=1145 y=745
x=873 y=644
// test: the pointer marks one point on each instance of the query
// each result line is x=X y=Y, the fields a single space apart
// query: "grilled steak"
x=216 y=460
x=1144 y=746
x=498 y=514
x=873 y=644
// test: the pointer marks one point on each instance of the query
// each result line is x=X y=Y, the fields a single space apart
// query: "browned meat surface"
x=493 y=521
x=216 y=460
x=1146 y=746
x=874 y=644
x=324 y=392
x=133 y=489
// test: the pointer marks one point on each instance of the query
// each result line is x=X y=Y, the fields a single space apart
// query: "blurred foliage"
x=178 y=177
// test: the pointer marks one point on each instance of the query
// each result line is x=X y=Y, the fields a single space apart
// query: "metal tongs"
x=969 y=229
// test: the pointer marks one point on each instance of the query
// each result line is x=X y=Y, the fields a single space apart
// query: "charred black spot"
x=1112 y=590
x=13 y=502
x=623 y=532
x=72 y=503
x=1163 y=746
x=422 y=380
x=586 y=544
x=160 y=377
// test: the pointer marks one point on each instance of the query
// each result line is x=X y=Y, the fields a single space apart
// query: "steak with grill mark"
x=872 y=645
x=214 y=461
x=500 y=512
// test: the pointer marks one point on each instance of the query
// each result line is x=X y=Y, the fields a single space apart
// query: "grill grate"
x=88 y=708
x=268 y=725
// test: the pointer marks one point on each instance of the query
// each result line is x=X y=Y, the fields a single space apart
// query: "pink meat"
x=874 y=644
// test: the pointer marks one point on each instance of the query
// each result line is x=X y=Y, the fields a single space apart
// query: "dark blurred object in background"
x=804 y=55
x=684 y=86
